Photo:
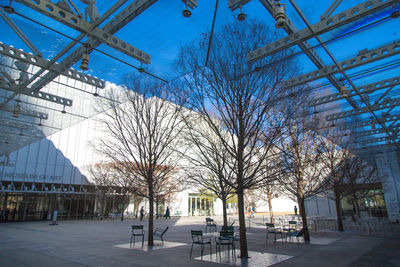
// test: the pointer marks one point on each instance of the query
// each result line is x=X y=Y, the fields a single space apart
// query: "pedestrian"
x=167 y=214
x=295 y=210
x=141 y=213
x=252 y=212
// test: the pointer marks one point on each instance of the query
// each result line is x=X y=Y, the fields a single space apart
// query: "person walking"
x=295 y=210
x=167 y=214
x=252 y=212
x=141 y=213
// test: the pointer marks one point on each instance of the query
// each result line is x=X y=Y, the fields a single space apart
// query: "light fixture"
x=63 y=111
x=279 y=15
x=85 y=58
x=8 y=8
x=186 y=13
x=95 y=93
x=141 y=69
x=17 y=108
x=373 y=126
x=241 y=16
x=40 y=122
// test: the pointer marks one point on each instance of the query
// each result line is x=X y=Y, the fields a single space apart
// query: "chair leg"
x=210 y=251
x=142 y=240
x=202 y=249
x=191 y=250
x=131 y=241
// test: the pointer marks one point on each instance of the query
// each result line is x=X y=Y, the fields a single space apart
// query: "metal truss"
x=235 y=4
x=365 y=58
x=20 y=55
x=26 y=112
x=373 y=140
x=393 y=129
x=345 y=17
x=120 y=20
x=191 y=3
x=67 y=18
x=14 y=124
x=366 y=89
x=357 y=124
x=12 y=86
x=390 y=103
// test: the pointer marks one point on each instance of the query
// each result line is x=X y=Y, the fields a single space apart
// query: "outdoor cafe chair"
x=272 y=230
x=210 y=225
x=137 y=230
x=198 y=238
x=225 y=238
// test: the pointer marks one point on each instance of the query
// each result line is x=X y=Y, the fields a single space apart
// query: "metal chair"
x=226 y=238
x=137 y=230
x=292 y=227
x=197 y=238
x=272 y=230
x=210 y=225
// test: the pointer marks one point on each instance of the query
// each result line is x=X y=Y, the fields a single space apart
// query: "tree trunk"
x=137 y=203
x=103 y=206
x=151 y=216
x=157 y=200
x=338 y=212
x=357 y=206
x=302 y=210
x=271 y=214
x=225 y=216
x=242 y=225
x=123 y=206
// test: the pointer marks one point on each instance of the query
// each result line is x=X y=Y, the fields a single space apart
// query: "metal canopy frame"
x=327 y=23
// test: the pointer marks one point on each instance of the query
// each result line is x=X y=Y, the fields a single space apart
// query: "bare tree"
x=333 y=157
x=208 y=162
x=301 y=164
x=238 y=93
x=141 y=135
x=103 y=180
x=357 y=172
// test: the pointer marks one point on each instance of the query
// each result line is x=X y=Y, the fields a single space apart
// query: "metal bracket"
x=43 y=63
x=366 y=89
x=372 y=56
x=345 y=17
x=61 y=15
x=383 y=105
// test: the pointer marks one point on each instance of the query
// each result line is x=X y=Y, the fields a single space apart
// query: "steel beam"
x=357 y=124
x=377 y=131
x=20 y=55
x=191 y=3
x=235 y=4
x=67 y=18
x=366 y=89
x=14 y=124
x=372 y=56
x=345 y=17
x=120 y=20
x=372 y=140
x=26 y=112
x=383 y=105
x=12 y=86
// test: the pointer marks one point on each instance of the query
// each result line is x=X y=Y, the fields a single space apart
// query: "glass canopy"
x=349 y=53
